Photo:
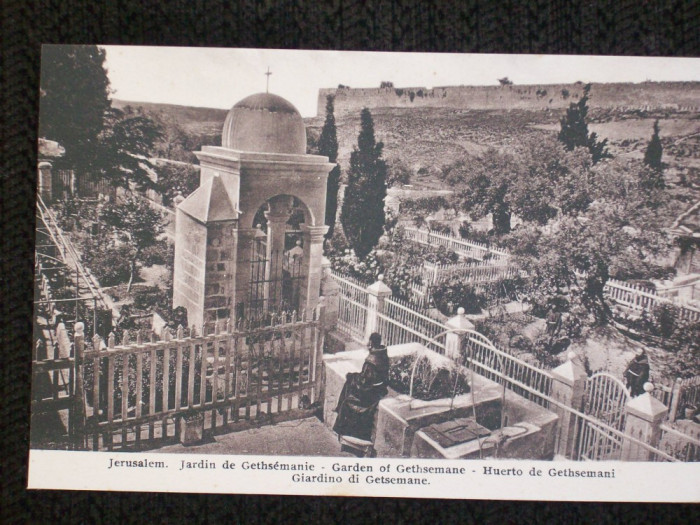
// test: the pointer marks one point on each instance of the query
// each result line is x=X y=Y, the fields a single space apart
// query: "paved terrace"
x=301 y=437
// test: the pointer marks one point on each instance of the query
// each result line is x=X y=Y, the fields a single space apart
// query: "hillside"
x=432 y=130
x=430 y=138
x=198 y=121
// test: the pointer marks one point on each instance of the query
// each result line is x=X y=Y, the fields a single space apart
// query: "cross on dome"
x=267 y=82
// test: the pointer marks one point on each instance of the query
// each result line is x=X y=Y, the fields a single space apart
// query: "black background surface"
x=621 y=27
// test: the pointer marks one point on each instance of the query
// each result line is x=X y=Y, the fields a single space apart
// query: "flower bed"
x=432 y=378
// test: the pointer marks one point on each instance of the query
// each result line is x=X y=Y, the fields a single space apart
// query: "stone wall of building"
x=220 y=269
x=188 y=277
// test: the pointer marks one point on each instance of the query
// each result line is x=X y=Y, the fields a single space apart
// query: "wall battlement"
x=642 y=96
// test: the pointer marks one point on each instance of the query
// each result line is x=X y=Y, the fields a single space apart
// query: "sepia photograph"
x=367 y=273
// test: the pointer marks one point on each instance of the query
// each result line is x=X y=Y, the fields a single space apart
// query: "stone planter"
x=401 y=427
x=191 y=429
x=690 y=412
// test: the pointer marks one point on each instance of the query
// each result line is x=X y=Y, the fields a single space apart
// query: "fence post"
x=377 y=293
x=676 y=394
x=458 y=325
x=45 y=182
x=78 y=416
x=643 y=418
x=329 y=291
x=316 y=372
x=569 y=388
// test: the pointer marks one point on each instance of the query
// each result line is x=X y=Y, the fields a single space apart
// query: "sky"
x=218 y=77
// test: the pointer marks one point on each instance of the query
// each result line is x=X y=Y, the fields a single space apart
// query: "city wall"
x=642 y=96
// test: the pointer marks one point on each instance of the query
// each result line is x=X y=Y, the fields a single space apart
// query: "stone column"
x=277 y=217
x=459 y=324
x=245 y=245
x=378 y=292
x=311 y=268
x=44 y=182
x=568 y=387
x=644 y=415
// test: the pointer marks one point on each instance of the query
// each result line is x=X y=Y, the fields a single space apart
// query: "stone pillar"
x=44 y=182
x=378 y=292
x=277 y=217
x=459 y=324
x=329 y=293
x=311 y=268
x=245 y=244
x=644 y=415
x=569 y=388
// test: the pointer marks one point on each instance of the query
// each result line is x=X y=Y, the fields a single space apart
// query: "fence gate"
x=605 y=400
x=276 y=279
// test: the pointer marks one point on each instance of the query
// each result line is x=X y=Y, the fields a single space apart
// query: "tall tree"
x=328 y=146
x=138 y=227
x=652 y=155
x=74 y=101
x=126 y=145
x=574 y=129
x=536 y=182
x=653 y=177
x=362 y=214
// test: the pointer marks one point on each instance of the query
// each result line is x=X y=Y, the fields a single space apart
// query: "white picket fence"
x=640 y=299
x=352 y=305
x=399 y=323
x=472 y=272
x=465 y=248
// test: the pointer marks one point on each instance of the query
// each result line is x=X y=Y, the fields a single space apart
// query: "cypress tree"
x=362 y=214
x=574 y=129
x=74 y=101
x=652 y=177
x=328 y=146
x=652 y=156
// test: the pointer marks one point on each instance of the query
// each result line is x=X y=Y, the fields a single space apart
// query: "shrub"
x=109 y=264
x=430 y=381
x=454 y=293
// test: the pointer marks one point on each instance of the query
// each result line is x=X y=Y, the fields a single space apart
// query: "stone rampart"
x=642 y=96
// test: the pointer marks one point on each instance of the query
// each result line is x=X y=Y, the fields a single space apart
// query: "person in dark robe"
x=637 y=373
x=553 y=322
x=362 y=392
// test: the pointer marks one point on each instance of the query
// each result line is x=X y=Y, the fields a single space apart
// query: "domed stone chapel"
x=249 y=240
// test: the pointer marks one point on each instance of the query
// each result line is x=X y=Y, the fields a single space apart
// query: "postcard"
x=367 y=274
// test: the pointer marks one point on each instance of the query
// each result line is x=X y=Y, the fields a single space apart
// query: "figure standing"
x=637 y=373
x=362 y=392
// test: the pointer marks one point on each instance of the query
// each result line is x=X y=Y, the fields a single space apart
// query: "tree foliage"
x=328 y=146
x=537 y=182
x=398 y=173
x=619 y=235
x=76 y=111
x=126 y=145
x=174 y=179
x=362 y=213
x=74 y=101
x=574 y=129
x=137 y=227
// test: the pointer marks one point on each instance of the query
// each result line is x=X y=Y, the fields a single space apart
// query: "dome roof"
x=264 y=123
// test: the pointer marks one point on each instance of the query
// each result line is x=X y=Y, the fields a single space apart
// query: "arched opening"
x=278 y=274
